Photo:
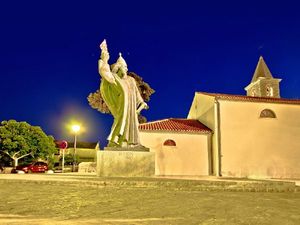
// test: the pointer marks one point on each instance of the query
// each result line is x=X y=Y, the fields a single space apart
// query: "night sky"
x=49 y=52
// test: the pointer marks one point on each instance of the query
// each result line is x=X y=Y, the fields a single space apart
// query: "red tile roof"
x=251 y=99
x=178 y=125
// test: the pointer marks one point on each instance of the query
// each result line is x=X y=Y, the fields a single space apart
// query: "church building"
x=255 y=135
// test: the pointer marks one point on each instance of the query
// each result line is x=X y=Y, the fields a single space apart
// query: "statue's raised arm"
x=103 y=66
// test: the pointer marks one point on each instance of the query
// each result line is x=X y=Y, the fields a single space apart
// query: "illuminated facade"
x=257 y=135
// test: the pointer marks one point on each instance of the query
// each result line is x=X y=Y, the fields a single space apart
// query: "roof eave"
x=177 y=132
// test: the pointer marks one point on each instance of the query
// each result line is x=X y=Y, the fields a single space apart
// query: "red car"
x=36 y=167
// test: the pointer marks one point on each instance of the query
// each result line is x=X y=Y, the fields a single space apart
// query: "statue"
x=123 y=99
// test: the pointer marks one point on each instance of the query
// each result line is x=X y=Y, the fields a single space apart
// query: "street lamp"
x=75 y=129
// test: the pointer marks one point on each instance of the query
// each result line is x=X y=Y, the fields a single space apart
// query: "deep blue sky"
x=49 y=52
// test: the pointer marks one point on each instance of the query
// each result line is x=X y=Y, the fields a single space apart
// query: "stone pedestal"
x=139 y=148
x=119 y=162
x=87 y=167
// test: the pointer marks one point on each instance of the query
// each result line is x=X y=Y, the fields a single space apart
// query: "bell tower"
x=263 y=84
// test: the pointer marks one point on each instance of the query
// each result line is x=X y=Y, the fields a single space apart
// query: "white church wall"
x=190 y=156
x=203 y=109
x=259 y=147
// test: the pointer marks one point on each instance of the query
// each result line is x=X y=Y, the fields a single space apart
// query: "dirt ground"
x=35 y=202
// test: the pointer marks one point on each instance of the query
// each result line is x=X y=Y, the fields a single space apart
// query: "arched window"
x=267 y=113
x=169 y=142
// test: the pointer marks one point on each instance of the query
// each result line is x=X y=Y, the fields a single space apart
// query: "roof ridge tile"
x=180 y=125
x=251 y=98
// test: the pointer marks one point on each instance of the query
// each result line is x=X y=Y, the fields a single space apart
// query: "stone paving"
x=76 y=198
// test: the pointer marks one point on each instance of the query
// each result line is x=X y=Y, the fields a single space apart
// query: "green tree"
x=5 y=160
x=96 y=101
x=20 y=139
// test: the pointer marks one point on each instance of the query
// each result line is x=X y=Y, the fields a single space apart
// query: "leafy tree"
x=5 y=160
x=20 y=139
x=96 y=101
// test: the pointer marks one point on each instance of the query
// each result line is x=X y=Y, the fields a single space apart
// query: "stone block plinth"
x=125 y=163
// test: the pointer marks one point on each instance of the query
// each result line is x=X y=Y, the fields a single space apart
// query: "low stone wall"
x=162 y=184
x=6 y=170
x=125 y=163
x=87 y=167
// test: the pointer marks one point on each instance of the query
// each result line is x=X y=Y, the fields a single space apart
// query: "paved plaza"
x=87 y=199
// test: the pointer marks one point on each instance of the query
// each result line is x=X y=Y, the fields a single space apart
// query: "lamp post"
x=63 y=147
x=75 y=129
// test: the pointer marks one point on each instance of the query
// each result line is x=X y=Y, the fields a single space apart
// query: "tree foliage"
x=20 y=139
x=96 y=101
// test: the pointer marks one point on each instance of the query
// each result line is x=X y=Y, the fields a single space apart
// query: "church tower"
x=263 y=84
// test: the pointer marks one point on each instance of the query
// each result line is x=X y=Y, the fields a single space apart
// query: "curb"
x=169 y=184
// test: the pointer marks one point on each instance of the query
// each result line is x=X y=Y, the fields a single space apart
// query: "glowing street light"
x=75 y=129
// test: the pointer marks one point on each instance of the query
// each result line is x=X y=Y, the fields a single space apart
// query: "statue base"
x=125 y=162
x=139 y=148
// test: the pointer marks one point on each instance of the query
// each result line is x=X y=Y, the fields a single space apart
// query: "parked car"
x=35 y=167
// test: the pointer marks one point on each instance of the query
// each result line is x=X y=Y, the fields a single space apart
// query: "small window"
x=267 y=113
x=169 y=142
x=269 y=91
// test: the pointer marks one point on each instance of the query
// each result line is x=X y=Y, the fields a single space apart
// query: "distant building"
x=85 y=151
x=257 y=135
